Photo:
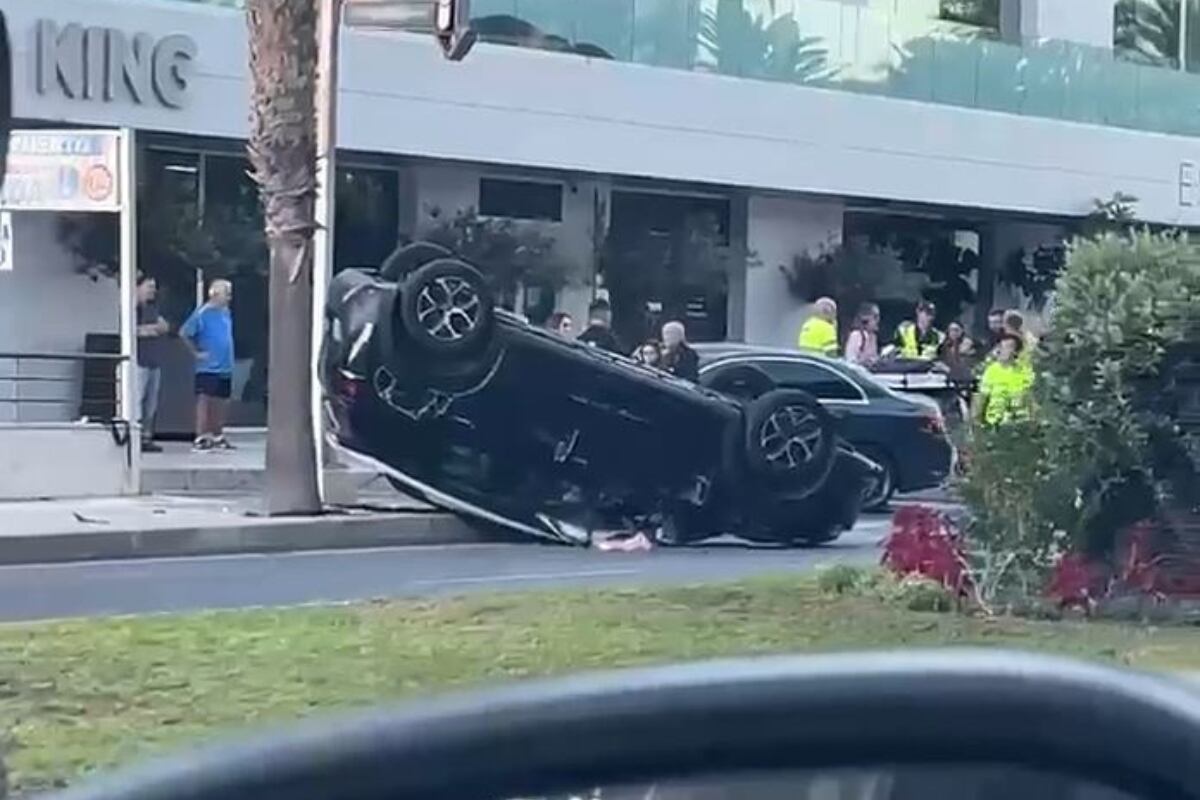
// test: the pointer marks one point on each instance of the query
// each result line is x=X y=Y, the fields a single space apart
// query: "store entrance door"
x=666 y=257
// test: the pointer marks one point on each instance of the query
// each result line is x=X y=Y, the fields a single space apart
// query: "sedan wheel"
x=880 y=489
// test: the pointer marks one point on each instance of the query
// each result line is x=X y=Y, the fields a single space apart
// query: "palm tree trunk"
x=283 y=65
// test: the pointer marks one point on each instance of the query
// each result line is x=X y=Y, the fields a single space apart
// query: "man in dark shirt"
x=151 y=332
x=678 y=357
x=598 y=332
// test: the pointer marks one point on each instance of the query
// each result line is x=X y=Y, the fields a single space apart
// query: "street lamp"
x=449 y=21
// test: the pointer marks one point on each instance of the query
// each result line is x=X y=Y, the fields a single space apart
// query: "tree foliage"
x=740 y=42
x=1106 y=448
x=509 y=252
x=1123 y=306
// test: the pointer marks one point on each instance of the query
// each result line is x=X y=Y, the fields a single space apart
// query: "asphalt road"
x=185 y=584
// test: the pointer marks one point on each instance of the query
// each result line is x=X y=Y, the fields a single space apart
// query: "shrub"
x=1122 y=305
x=924 y=543
x=841 y=579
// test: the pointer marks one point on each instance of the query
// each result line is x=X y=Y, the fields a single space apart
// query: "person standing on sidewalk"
x=598 y=332
x=208 y=333
x=152 y=330
x=679 y=358
x=819 y=333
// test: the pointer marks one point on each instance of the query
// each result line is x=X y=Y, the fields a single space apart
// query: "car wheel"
x=407 y=258
x=446 y=308
x=790 y=441
x=880 y=490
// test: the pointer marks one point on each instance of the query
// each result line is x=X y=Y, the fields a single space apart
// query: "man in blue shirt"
x=208 y=333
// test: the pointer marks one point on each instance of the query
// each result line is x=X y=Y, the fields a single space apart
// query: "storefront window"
x=980 y=13
x=233 y=218
x=1149 y=31
x=367 y=223
x=171 y=241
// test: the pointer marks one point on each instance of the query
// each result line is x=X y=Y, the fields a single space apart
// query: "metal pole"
x=329 y=19
x=128 y=408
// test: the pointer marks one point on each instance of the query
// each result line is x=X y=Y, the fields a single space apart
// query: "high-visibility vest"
x=1006 y=387
x=911 y=346
x=819 y=335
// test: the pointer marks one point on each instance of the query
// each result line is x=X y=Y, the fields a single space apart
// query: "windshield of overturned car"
x=353 y=352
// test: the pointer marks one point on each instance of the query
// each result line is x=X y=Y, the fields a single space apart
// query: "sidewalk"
x=46 y=531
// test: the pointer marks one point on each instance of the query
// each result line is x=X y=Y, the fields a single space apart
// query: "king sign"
x=107 y=65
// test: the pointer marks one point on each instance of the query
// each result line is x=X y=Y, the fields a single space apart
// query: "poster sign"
x=62 y=171
x=6 y=241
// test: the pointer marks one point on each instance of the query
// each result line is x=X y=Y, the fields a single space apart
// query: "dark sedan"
x=904 y=434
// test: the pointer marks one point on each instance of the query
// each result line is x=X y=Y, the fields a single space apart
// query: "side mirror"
x=6 y=93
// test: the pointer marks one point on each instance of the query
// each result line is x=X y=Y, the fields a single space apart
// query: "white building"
x=786 y=122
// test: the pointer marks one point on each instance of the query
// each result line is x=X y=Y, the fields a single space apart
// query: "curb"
x=347 y=532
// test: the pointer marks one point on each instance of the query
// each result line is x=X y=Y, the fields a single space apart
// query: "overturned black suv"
x=473 y=409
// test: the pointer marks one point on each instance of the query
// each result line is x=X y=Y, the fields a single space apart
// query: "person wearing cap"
x=919 y=339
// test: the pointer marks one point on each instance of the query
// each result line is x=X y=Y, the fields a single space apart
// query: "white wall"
x=45 y=306
x=780 y=228
x=512 y=106
x=1085 y=21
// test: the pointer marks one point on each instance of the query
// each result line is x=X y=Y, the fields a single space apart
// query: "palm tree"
x=754 y=47
x=283 y=152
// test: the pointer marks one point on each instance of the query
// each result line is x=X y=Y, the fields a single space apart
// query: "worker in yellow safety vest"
x=1004 y=388
x=920 y=339
x=819 y=333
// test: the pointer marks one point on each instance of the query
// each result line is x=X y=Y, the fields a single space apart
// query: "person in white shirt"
x=862 y=345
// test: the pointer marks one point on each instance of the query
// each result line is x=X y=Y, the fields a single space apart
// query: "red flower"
x=924 y=542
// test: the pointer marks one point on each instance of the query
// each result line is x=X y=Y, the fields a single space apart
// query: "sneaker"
x=221 y=443
x=203 y=444
x=151 y=447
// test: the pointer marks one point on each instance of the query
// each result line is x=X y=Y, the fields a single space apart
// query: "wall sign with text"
x=105 y=65
x=63 y=171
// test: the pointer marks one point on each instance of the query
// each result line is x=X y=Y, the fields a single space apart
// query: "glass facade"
x=938 y=51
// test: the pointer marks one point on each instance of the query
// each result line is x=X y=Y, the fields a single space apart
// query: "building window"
x=979 y=13
x=501 y=197
x=1160 y=33
x=368 y=215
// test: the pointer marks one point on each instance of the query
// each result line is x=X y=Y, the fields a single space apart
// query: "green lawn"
x=82 y=694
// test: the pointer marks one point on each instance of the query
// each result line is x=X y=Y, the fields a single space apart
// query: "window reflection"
x=367 y=216
x=1148 y=31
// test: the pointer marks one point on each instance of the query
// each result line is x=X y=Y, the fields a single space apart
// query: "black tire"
x=446 y=309
x=407 y=258
x=879 y=493
x=790 y=441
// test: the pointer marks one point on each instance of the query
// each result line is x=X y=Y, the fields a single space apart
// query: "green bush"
x=1102 y=450
x=842 y=579
x=1122 y=304
x=1022 y=504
